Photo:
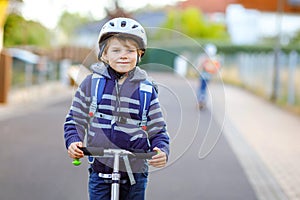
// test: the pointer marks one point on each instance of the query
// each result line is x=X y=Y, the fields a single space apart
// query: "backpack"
x=211 y=66
x=145 y=89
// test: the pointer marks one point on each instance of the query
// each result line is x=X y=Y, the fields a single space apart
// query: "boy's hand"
x=159 y=160
x=74 y=151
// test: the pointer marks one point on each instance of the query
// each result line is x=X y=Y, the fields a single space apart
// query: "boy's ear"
x=103 y=58
x=141 y=53
x=139 y=56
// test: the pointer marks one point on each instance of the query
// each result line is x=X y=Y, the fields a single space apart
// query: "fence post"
x=28 y=74
x=293 y=57
x=5 y=76
x=64 y=66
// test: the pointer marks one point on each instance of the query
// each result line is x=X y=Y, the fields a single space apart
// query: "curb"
x=263 y=182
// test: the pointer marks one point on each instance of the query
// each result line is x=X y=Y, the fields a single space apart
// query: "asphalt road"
x=34 y=164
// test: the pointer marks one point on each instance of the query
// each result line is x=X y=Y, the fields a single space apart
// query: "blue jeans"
x=100 y=188
x=202 y=90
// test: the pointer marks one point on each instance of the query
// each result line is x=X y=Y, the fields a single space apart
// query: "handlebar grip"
x=92 y=151
x=147 y=155
x=88 y=151
x=76 y=162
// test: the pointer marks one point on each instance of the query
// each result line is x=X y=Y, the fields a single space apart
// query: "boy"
x=122 y=43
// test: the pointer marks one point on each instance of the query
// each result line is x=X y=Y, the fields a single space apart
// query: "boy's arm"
x=157 y=131
x=77 y=120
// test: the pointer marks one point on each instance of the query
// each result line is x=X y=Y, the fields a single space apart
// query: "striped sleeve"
x=157 y=130
x=77 y=119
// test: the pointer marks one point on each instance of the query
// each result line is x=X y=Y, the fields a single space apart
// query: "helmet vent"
x=123 y=23
x=134 y=26
x=112 y=24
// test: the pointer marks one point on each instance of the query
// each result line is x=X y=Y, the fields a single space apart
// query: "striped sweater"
x=115 y=124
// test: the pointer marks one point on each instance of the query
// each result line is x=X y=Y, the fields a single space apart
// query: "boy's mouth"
x=124 y=63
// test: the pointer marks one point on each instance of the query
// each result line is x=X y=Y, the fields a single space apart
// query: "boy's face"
x=121 y=55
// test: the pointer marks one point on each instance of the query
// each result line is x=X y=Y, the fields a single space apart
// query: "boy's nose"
x=124 y=54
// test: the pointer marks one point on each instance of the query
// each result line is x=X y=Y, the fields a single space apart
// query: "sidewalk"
x=274 y=136
x=22 y=100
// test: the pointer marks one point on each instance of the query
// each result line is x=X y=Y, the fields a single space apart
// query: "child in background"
x=209 y=66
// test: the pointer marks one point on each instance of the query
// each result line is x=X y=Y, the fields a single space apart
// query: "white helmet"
x=124 y=26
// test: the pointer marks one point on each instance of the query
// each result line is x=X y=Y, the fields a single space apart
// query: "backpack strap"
x=98 y=84
x=145 y=99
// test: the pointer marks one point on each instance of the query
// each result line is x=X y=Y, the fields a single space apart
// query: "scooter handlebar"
x=92 y=151
x=147 y=155
x=98 y=152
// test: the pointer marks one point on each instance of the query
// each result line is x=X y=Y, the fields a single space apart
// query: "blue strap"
x=93 y=88
x=97 y=89
x=145 y=99
x=98 y=84
x=101 y=86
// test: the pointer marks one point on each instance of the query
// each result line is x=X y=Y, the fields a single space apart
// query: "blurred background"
x=256 y=104
x=258 y=43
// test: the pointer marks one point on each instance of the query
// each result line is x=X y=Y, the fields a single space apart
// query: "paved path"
x=273 y=135
x=216 y=153
x=197 y=169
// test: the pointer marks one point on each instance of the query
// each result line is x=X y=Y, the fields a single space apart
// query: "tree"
x=193 y=23
x=68 y=22
x=18 y=31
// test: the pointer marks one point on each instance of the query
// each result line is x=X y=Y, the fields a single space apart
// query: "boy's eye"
x=125 y=50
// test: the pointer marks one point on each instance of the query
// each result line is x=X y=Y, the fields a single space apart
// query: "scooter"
x=116 y=154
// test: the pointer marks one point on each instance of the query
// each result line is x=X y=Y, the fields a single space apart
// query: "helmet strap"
x=138 y=59
x=101 y=47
